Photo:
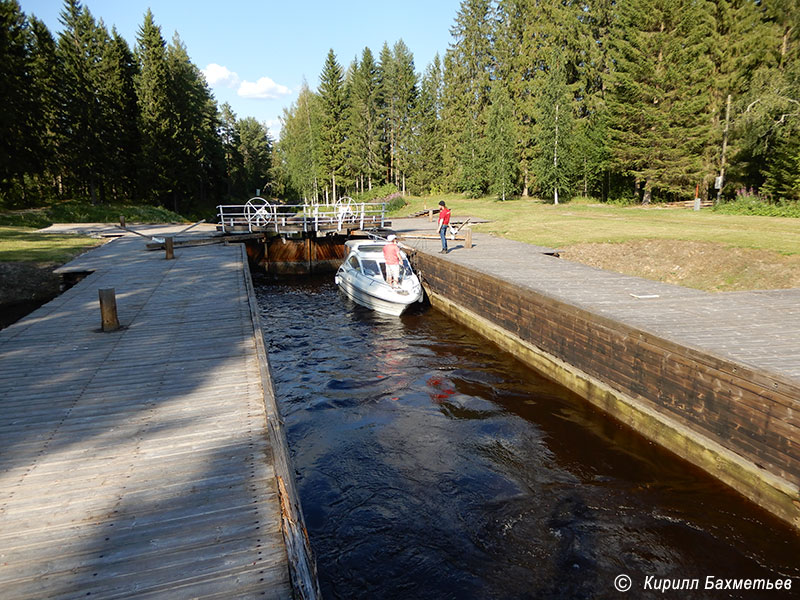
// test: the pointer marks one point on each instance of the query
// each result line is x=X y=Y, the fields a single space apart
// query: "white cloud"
x=218 y=75
x=263 y=89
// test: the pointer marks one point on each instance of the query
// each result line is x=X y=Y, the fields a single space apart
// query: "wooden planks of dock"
x=137 y=463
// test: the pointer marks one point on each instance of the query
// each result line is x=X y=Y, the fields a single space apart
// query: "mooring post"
x=468 y=238
x=108 y=309
x=170 y=247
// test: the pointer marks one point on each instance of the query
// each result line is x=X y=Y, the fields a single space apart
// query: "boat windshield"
x=369 y=249
x=370 y=267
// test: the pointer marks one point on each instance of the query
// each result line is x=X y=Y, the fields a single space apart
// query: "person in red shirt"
x=391 y=254
x=444 y=221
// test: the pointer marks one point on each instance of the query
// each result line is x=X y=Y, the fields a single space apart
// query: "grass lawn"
x=699 y=249
x=533 y=222
x=23 y=244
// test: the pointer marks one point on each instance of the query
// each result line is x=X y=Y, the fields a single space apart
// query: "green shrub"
x=376 y=193
x=752 y=205
x=25 y=218
x=395 y=204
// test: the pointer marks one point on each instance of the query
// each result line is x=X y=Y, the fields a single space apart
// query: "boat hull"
x=395 y=304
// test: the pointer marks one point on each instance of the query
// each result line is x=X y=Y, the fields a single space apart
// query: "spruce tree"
x=363 y=121
x=367 y=97
x=17 y=155
x=768 y=115
x=44 y=90
x=198 y=156
x=231 y=145
x=468 y=67
x=429 y=143
x=386 y=110
x=659 y=99
x=332 y=111
x=401 y=92
x=513 y=71
x=121 y=138
x=156 y=125
x=81 y=119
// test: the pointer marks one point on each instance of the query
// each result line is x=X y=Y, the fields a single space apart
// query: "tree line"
x=645 y=99
x=86 y=116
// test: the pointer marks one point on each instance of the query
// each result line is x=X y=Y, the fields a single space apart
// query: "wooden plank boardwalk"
x=137 y=463
x=760 y=329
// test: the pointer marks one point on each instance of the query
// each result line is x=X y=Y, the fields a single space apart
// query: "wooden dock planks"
x=137 y=463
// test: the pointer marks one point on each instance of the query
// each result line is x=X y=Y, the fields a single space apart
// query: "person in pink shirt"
x=391 y=254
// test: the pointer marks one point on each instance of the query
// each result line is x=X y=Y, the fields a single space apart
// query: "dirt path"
x=700 y=265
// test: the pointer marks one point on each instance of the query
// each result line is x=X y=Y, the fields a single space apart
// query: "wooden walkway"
x=760 y=329
x=137 y=464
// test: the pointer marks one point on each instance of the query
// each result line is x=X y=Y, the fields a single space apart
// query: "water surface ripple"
x=430 y=464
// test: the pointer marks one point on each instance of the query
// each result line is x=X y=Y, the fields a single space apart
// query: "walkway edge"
x=303 y=570
x=773 y=493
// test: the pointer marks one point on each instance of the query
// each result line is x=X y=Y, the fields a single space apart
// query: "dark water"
x=431 y=464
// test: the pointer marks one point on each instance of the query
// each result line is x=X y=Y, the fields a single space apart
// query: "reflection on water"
x=430 y=464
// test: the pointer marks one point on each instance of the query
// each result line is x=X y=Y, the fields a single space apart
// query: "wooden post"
x=468 y=238
x=108 y=309
x=430 y=215
x=170 y=247
x=122 y=221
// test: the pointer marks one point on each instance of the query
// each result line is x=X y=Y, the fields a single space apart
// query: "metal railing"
x=259 y=215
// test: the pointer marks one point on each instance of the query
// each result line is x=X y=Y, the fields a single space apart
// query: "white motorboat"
x=362 y=277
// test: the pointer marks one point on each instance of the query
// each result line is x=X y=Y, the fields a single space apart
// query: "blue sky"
x=256 y=54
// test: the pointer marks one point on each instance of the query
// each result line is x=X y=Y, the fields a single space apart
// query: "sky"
x=256 y=54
